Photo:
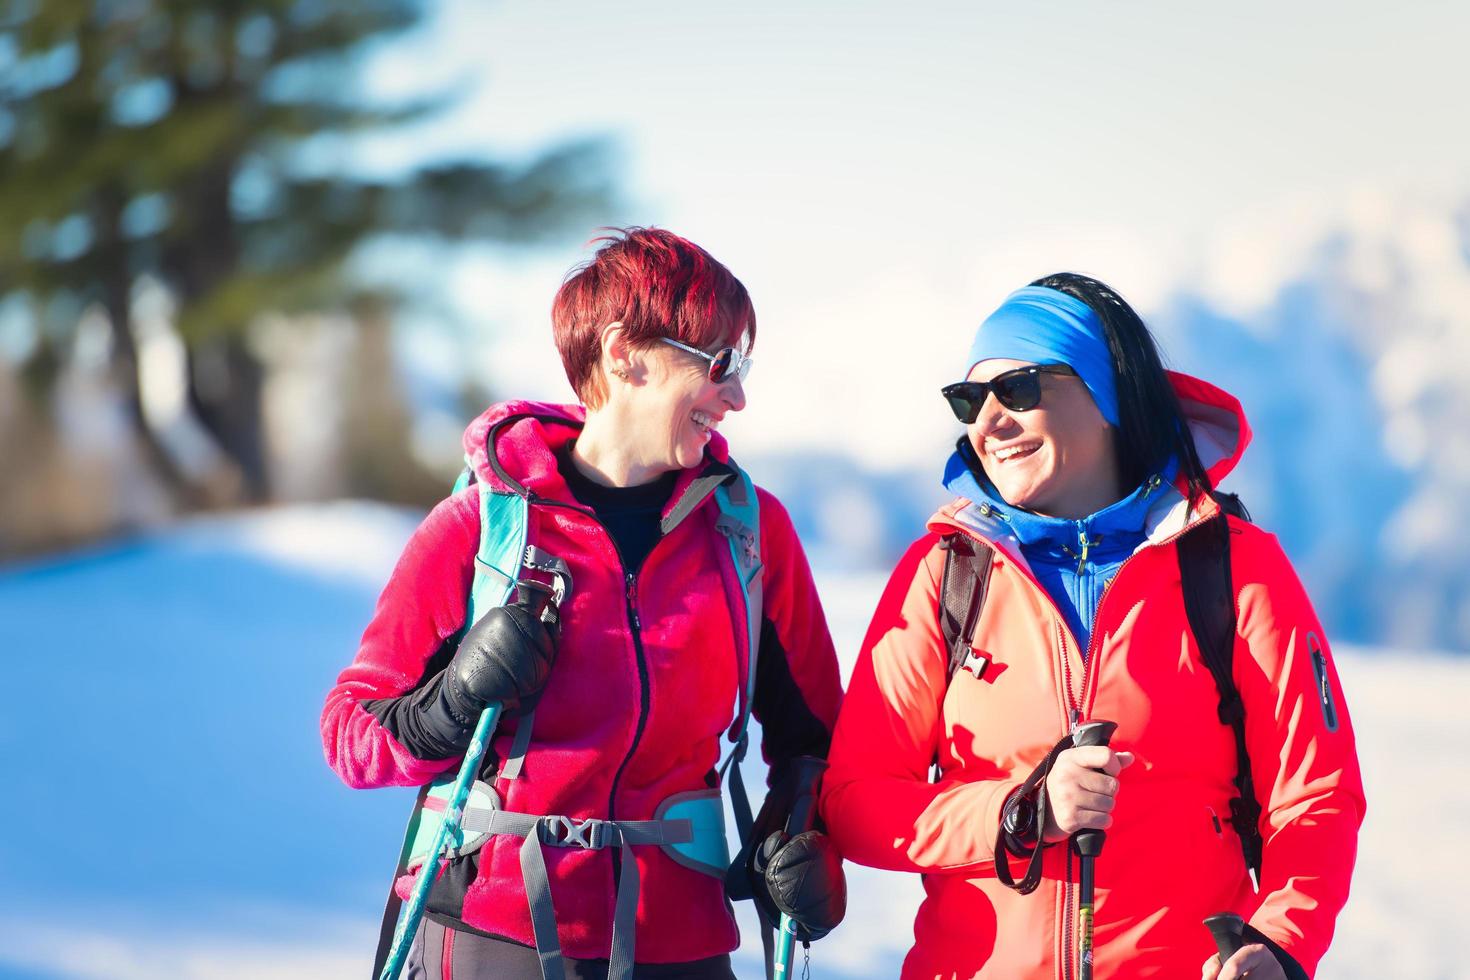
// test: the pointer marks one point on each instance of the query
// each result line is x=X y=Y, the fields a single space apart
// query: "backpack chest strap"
x=590 y=834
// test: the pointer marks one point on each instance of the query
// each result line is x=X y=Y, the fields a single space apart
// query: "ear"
x=618 y=356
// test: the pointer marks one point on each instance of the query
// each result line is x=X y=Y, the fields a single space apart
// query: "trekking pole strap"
x=1035 y=787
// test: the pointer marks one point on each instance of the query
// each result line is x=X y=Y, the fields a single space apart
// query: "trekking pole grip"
x=1227 y=928
x=1089 y=843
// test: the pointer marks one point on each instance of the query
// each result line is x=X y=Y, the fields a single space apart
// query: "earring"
x=620 y=373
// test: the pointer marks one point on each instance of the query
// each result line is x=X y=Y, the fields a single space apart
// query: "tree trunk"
x=226 y=383
x=226 y=380
x=117 y=301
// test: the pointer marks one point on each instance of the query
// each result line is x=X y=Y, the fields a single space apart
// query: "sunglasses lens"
x=965 y=400
x=726 y=363
x=1018 y=392
x=719 y=365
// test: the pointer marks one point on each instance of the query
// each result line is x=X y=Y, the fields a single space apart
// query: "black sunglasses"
x=1018 y=390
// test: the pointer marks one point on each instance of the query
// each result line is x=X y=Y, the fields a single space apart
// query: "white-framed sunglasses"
x=724 y=363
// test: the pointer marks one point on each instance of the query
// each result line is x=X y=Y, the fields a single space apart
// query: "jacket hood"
x=512 y=446
x=1216 y=421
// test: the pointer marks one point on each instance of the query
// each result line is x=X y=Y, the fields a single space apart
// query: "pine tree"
x=164 y=138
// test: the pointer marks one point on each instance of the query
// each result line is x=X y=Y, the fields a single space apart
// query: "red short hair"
x=658 y=285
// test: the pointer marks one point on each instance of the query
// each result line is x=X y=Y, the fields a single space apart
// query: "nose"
x=992 y=420
x=732 y=393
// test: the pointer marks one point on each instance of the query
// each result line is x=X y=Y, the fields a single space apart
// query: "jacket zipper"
x=1076 y=712
x=630 y=601
x=630 y=596
x=1070 y=898
x=1074 y=707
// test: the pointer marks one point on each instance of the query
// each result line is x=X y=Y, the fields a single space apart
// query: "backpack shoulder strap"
x=1231 y=504
x=739 y=521
x=962 y=589
x=1209 y=603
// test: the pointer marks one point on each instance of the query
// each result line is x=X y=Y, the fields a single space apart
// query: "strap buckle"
x=975 y=661
x=563 y=831
x=738 y=531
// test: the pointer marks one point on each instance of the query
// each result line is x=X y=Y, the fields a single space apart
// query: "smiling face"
x=660 y=411
x=1056 y=459
x=679 y=408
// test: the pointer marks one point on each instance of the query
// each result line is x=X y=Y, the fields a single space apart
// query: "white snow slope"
x=169 y=812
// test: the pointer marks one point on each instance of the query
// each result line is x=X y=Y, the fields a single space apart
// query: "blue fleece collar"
x=1047 y=326
x=1114 y=531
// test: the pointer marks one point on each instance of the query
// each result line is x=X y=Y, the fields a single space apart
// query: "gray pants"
x=439 y=953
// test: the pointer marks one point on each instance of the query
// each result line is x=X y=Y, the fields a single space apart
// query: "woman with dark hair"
x=1087 y=573
x=594 y=841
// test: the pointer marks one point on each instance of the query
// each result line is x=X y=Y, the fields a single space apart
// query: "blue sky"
x=881 y=176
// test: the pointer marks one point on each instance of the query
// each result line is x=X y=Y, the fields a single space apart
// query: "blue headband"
x=1046 y=326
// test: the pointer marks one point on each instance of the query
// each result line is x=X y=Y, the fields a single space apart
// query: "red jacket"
x=630 y=716
x=1171 y=857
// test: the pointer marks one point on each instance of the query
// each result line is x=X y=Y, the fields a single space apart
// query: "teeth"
x=705 y=420
x=1009 y=451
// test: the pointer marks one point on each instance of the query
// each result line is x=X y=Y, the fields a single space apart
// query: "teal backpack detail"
x=504 y=552
x=688 y=827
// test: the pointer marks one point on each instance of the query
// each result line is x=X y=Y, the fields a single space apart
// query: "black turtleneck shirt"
x=630 y=514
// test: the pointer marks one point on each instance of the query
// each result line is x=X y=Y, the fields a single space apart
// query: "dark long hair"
x=1151 y=426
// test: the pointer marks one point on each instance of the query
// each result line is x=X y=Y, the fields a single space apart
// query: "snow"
x=170 y=806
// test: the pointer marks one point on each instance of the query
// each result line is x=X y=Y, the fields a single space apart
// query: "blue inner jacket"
x=1073 y=560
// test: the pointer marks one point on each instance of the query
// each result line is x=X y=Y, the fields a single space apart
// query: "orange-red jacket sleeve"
x=877 y=800
x=1303 y=758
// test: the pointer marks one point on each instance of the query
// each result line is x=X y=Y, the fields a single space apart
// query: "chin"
x=687 y=458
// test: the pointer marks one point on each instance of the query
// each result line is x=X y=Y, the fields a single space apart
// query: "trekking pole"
x=413 y=913
x=1088 y=844
x=1227 y=928
x=809 y=770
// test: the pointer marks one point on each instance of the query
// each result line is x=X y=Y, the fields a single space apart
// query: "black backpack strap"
x=962 y=589
x=1209 y=602
x=1231 y=504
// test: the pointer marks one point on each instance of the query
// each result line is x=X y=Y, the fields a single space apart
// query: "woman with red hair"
x=632 y=684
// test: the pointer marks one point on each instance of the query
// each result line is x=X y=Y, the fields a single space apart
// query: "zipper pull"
x=1085 y=545
x=1076 y=720
x=632 y=583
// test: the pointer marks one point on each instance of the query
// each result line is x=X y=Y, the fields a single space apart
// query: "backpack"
x=504 y=553
x=1209 y=603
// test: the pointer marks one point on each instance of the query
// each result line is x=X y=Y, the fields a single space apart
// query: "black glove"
x=742 y=878
x=803 y=878
x=505 y=657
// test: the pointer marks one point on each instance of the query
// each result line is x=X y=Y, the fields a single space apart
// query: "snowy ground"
x=170 y=813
